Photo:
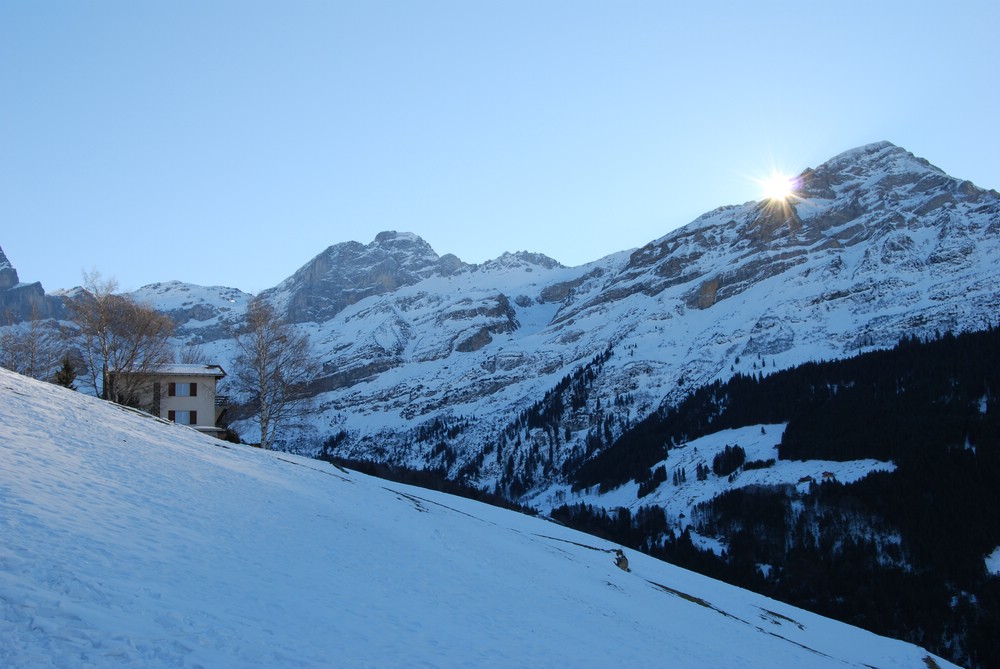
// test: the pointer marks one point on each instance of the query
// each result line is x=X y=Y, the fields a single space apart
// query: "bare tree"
x=192 y=354
x=273 y=367
x=32 y=348
x=123 y=341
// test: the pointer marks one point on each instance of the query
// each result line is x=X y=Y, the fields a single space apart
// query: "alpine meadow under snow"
x=129 y=541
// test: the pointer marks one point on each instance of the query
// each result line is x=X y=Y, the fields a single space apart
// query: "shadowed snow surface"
x=128 y=541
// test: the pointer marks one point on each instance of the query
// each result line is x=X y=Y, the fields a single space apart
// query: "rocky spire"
x=8 y=275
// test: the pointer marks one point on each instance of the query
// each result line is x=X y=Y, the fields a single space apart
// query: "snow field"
x=128 y=541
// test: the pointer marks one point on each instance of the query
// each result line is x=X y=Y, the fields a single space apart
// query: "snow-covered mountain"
x=429 y=361
x=201 y=313
x=421 y=351
x=130 y=541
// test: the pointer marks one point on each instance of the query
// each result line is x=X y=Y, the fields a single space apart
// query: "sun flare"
x=777 y=186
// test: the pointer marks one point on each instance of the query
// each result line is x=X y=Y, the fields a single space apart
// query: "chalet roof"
x=192 y=370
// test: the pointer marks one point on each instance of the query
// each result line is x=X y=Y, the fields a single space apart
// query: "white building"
x=185 y=394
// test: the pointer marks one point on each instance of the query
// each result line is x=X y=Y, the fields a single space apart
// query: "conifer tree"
x=65 y=376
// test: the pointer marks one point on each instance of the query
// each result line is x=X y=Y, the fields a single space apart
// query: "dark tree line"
x=918 y=393
x=728 y=460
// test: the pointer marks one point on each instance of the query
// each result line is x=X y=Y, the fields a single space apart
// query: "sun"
x=777 y=186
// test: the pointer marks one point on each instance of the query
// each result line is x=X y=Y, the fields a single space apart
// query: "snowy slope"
x=128 y=541
x=760 y=442
x=201 y=313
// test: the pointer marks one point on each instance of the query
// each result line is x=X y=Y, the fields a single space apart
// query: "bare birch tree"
x=32 y=348
x=273 y=366
x=123 y=341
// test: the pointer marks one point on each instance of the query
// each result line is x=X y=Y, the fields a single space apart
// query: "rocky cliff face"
x=8 y=275
x=347 y=273
x=24 y=301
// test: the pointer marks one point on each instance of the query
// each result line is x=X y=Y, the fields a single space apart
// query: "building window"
x=183 y=417
x=182 y=389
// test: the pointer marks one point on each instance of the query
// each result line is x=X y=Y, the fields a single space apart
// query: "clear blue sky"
x=228 y=142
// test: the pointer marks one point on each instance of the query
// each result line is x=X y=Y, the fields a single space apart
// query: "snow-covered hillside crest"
x=200 y=313
x=131 y=541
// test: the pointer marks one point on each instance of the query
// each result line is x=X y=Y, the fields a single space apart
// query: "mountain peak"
x=877 y=155
x=520 y=259
x=8 y=275
x=388 y=236
x=350 y=271
x=403 y=242
x=859 y=153
x=880 y=166
x=880 y=199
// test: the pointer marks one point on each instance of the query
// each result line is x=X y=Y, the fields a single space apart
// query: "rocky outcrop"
x=27 y=301
x=500 y=319
x=8 y=275
x=24 y=301
x=345 y=274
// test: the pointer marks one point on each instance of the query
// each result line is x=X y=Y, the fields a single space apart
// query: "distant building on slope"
x=184 y=394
